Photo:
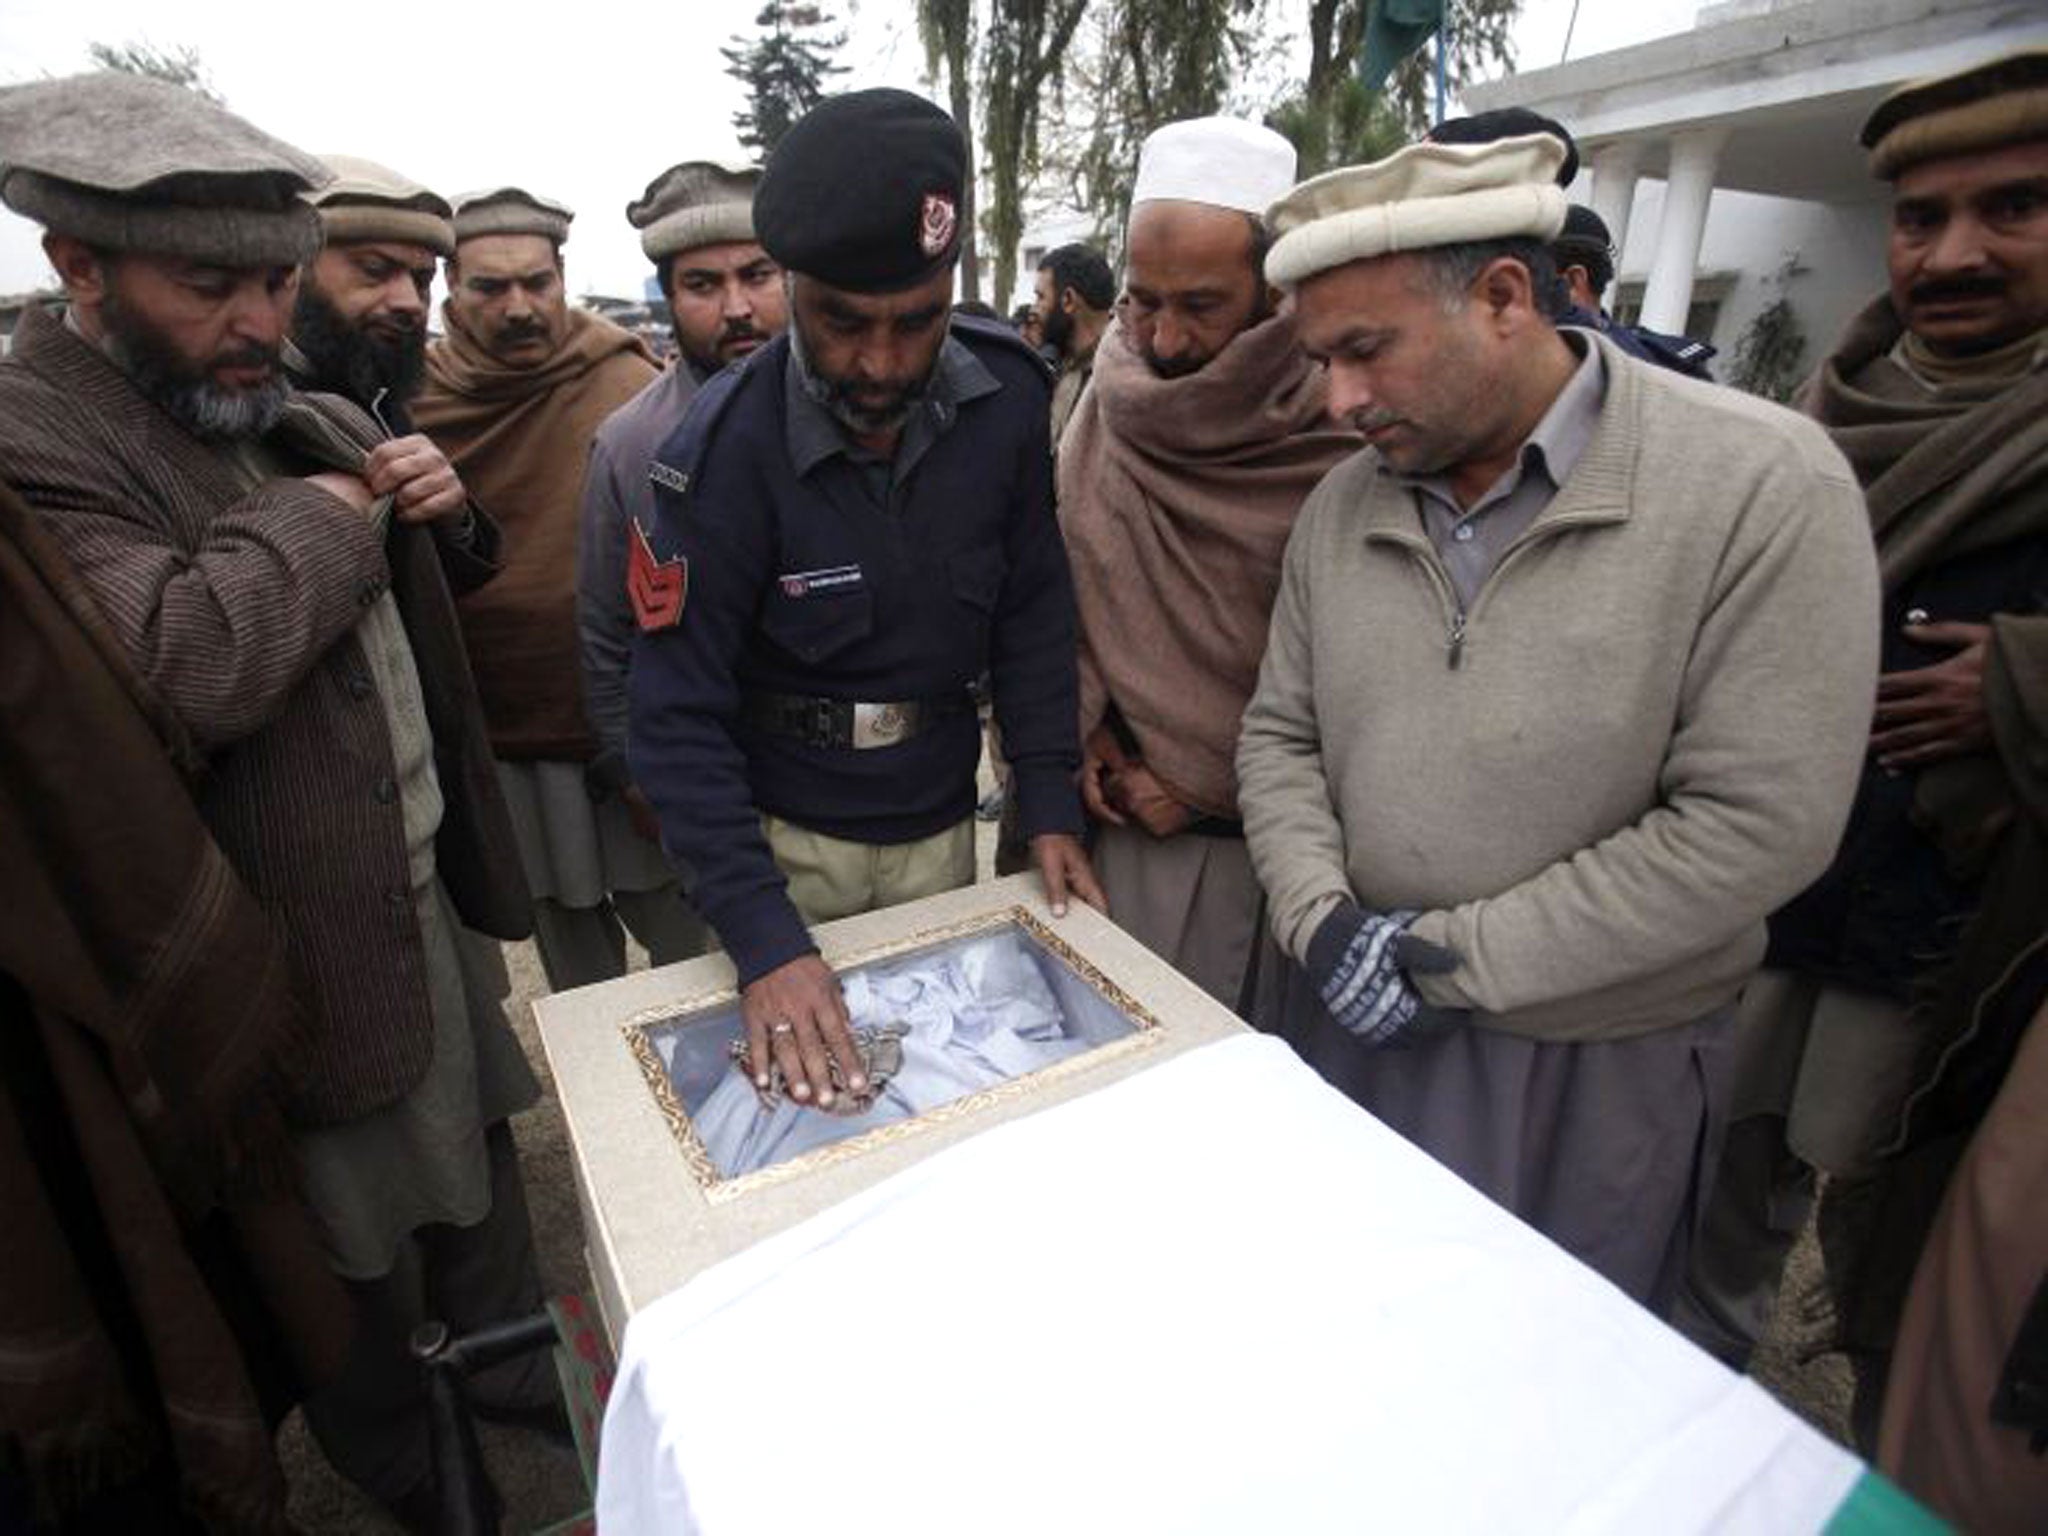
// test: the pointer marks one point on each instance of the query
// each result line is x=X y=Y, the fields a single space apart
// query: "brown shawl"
x=148 y=1026
x=1962 y=468
x=519 y=438
x=1176 y=497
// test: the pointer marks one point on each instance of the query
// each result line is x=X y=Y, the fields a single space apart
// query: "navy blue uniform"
x=1680 y=354
x=783 y=561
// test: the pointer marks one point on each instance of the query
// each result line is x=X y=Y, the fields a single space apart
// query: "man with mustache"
x=359 y=328
x=1565 y=692
x=1896 y=986
x=515 y=394
x=852 y=527
x=277 y=574
x=696 y=223
x=1203 y=430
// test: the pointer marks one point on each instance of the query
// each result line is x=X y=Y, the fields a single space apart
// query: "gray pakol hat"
x=511 y=211
x=126 y=163
x=368 y=201
x=699 y=202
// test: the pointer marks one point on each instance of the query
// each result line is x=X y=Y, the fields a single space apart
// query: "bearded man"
x=359 y=329
x=1528 y=765
x=696 y=223
x=272 y=567
x=1179 y=480
x=1072 y=301
x=852 y=526
x=515 y=393
x=1897 y=986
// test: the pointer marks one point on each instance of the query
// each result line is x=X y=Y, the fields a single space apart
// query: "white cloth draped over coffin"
x=1214 y=1297
x=978 y=1013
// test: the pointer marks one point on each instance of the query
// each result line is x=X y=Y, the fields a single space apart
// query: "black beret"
x=1509 y=123
x=863 y=192
x=1582 y=226
x=1585 y=242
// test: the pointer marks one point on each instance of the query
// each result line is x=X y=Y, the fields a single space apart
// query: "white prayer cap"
x=1422 y=196
x=1222 y=161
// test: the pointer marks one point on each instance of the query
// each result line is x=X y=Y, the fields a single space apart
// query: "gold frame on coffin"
x=1146 y=1032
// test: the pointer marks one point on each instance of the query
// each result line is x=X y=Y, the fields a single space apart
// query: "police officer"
x=853 y=525
x=1584 y=253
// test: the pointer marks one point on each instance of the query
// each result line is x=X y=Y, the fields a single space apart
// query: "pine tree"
x=785 y=69
x=178 y=66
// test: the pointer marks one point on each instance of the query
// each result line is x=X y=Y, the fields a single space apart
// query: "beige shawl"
x=1176 y=497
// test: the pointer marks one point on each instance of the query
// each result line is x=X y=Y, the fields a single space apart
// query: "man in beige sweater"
x=1566 y=690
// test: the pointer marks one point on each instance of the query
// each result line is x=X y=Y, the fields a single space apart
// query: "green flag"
x=1396 y=29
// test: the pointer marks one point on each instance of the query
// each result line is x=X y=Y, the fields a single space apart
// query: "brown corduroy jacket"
x=239 y=609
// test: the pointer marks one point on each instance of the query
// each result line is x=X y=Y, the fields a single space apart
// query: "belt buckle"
x=816 y=718
x=879 y=725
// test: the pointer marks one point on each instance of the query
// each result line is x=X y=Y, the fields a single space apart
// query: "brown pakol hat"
x=368 y=201
x=1987 y=106
x=511 y=211
x=127 y=163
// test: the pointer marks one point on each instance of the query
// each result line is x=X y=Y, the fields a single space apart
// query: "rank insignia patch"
x=657 y=587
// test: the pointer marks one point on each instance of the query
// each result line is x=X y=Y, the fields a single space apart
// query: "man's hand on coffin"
x=796 y=1016
x=1930 y=713
x=1362 y=962
x=1063 y=865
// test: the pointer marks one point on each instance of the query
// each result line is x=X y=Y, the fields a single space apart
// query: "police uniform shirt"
x=786 y=561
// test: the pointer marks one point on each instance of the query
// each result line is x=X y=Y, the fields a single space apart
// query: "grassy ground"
x=542 y=1484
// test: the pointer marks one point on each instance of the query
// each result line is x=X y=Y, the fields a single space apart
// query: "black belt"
x=849 y=723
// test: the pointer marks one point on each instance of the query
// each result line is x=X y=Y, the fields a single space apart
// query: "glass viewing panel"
x=939 y=1021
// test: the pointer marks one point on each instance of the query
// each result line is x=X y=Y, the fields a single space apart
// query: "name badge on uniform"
x=657 y=587
x=832 y=578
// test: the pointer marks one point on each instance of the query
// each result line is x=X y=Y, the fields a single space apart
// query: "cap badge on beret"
x=863 y=192
x=936 y=224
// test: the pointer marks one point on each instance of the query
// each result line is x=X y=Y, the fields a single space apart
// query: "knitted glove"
x=1360 y=962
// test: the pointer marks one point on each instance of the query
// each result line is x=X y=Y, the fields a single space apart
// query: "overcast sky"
x=584 y=102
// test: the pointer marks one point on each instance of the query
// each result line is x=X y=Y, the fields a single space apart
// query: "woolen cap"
x=700 y=202
x=863 y=192
x=1419 y=197
x=511 y=211
x=127 y=163
x=1987 y=106
x=368 y=201
x=1224 y=162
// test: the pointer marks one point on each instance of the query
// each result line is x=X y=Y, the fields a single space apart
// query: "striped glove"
x=1360 y=962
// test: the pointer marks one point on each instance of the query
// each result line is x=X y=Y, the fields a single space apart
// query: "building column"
x=1614 y=189
x=1687 y=191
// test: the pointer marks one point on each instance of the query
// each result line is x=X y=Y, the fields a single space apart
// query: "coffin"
x=1006 y=1010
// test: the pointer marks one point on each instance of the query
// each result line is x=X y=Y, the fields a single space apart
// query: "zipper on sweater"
x=1454 y=624
x=1529 y=540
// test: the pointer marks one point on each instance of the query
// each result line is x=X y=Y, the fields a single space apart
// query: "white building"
x=1726 y=156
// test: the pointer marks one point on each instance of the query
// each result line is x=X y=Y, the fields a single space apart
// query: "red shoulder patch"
x=657 y=587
